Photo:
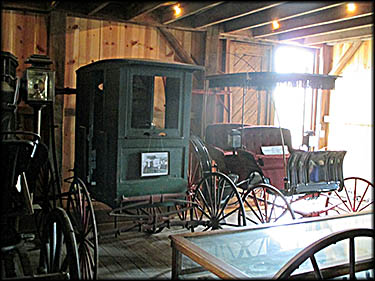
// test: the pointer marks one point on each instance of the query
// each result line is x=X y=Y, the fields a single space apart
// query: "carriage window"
x=155 y=102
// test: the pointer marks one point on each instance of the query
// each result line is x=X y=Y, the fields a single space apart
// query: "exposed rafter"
x=307 y=23
x=188 y=11
x=226 y=11
x=281 y=12
x=325 y=29
x=331 y=15
x=349 y=35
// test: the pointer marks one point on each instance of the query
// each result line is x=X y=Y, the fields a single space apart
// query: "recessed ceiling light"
x=351 y=7
x=177 y=9
x=275 y=24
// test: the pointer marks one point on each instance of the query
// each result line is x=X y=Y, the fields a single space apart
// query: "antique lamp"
x=235 y=139
x=39 y=86
x=40 y=80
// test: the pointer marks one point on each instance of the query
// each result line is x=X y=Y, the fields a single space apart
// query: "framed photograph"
x=154 y=164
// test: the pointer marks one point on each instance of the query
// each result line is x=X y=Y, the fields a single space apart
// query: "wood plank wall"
x=246 y=57
x=23 y=35
x=362 y=59
x=87 y=41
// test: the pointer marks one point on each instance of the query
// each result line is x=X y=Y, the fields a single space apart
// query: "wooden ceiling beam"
x=188 y=9
x=144 y=8
x=323 y=29
x=353 y=34
x=280 y=12
x=331 y=15
x=98 y=8
x=225 y=11
x=27 y=6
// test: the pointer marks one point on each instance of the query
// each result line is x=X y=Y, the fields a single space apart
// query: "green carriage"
x=132 y=133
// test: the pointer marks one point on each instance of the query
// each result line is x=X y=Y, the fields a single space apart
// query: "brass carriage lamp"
x=40 y=80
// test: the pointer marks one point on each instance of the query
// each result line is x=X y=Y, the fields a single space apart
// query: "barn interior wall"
x=351 y=110
x=87 y=41
x=249 y=57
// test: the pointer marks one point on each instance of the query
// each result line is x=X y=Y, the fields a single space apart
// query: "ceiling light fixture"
x=177 y=9
x=351 y=7
x=275 y=24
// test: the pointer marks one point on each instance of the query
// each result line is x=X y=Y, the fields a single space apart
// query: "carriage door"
x=97 y=136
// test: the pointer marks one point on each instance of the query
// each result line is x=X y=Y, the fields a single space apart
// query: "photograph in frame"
x=154 y=164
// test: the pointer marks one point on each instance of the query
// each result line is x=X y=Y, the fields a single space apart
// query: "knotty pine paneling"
x=87 y=41
x=23 y=35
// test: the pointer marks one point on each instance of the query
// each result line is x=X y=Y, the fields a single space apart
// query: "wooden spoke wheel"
x=311 y=253
x=356 y=195
x=59 y=253
x=199 y=164
x=264 y=203
x=81 y=213
x=45 y=187
x=211 y=203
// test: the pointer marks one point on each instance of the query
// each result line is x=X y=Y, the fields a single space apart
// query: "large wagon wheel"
x=310 y=253
x=264 y=203
x=211 y=203
x=82 y=216
x=356 y=195
x=59 y=252
x=44 y=185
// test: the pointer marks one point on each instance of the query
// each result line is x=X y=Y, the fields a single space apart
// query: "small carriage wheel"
x=357 y=195
x=264 y=203
x=59 y=253
x=212 y=197
x=82 y=216
x=309 y=254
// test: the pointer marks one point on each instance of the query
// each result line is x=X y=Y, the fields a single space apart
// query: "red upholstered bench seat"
x=253 y=139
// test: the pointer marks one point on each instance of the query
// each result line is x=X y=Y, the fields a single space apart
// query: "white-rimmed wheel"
x=58 y=252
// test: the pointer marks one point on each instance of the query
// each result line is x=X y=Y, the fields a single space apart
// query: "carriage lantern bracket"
x=235 y=139
x=40 y=80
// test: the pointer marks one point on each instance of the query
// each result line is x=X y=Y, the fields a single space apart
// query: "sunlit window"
x=293 y=104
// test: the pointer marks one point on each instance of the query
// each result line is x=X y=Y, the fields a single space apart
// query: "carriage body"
x=131 y=114
x=293 y=171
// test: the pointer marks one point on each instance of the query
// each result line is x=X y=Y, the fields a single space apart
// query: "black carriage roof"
x=147 y=62
x=264 y=80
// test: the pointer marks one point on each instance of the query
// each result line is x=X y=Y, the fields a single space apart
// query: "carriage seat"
x=256 y=139
x=217 y=134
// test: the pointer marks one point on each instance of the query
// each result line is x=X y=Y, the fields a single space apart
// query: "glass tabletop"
x=261 y=252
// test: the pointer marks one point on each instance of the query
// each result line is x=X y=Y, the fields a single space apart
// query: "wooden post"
x=212 y=66
x=56 y=28
x=326 y=95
